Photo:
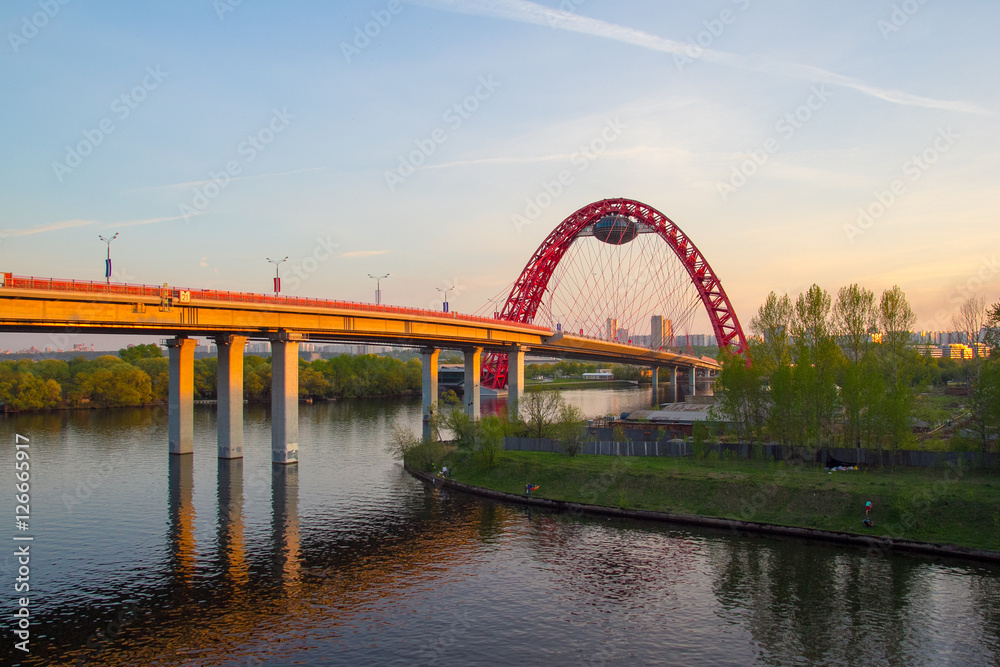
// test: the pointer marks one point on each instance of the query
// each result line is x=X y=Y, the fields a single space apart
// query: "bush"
x=489 y=441
x=414 y=452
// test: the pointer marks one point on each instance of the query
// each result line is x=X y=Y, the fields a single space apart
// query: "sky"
x=795 y=143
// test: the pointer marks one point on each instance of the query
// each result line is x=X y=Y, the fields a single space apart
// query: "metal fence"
x=676 y=448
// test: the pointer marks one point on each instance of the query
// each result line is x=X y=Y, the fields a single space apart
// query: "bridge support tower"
x=515 y=379
x=285 y=398
x=180 y=395
x=230 y=395
x=654 y=378
x=471 y=390
x=429 y=369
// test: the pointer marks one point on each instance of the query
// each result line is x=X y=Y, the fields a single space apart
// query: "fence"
x=677 y=448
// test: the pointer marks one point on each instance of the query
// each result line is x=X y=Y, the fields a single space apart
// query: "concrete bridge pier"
x=673 y=384
x=429 y=369
x=230 y=395
x=284 y=398
x=694 y=382
x=473 y=373
x=515 y=379
x=180 y=395
x=655 y=381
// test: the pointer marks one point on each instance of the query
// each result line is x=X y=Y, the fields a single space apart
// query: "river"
x=139 y=558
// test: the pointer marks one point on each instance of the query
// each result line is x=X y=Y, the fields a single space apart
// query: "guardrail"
x=187 y=295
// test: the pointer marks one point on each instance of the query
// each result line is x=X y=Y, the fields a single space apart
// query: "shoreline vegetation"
x=947 y=507
x=139 y=376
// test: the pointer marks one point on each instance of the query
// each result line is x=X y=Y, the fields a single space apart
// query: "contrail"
x=530 y=12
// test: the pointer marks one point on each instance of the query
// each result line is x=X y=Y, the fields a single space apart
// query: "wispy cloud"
x=195 y=184
x=530 y=12
x=147 y=221
x=365 y=253
x=47 y=227
x=533 y=159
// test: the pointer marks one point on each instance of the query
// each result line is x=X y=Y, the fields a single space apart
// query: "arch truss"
x=616 y=222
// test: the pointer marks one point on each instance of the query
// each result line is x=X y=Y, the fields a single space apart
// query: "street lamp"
x=277 y=279
x=445 y=290
x=107 y=262
x=378 y=287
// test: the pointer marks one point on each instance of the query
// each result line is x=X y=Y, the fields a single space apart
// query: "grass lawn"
x=944 y=506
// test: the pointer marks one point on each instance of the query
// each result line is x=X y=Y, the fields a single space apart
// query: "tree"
x=741 y=395
x=970 y=319
x=570 y=429
x=816 y=361
x=854 y=322
x=540 y=411
x=895 y=319
x=773 y=326
x=133 y=353
x=854 y=319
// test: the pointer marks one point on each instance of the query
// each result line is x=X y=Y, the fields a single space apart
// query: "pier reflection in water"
x=345 y=559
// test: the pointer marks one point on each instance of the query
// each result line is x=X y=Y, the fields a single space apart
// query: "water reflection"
x=181 y=510
x=231 y=548
x=285 y=522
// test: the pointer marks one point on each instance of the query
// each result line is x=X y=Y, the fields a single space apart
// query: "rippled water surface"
x=142 y=558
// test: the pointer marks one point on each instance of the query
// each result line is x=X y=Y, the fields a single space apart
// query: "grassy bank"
x=960 y=507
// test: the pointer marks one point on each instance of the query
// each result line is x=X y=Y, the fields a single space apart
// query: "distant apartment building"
x=612 y=328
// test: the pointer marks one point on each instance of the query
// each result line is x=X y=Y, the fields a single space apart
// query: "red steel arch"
x=526 y=295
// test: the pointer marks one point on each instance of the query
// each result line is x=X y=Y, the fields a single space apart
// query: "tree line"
x=140 y=375
x=843 y=371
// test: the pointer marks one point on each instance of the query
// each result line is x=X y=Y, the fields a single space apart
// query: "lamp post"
x=277 y=278
x=107 y=262
x=378 y=287
x=445 y=290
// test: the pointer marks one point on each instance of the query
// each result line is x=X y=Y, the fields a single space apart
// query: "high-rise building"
x=612 y=329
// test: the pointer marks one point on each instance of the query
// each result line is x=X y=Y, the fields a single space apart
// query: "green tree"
x=133 y=353
x=116 y=386
x=895 y=319
x=540 y=411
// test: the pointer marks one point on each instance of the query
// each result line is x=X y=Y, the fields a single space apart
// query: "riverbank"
x=947 y=511
x=580 y=384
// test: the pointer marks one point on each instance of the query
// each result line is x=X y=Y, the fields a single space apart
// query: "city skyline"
x=426 y=139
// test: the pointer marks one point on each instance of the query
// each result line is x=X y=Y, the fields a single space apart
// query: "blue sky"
x=761 y=129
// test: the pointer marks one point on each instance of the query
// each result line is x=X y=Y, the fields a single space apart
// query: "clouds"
x=533 y=13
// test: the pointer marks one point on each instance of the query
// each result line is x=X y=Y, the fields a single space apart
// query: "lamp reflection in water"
x=231 y=548
x=285 y=524
x=182 y=516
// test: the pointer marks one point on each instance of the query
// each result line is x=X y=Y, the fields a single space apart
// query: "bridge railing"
x=166 y=291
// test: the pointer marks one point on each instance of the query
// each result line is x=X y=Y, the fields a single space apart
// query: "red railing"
x=165 y=291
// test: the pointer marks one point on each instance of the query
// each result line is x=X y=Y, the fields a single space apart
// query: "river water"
x=140 y=558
